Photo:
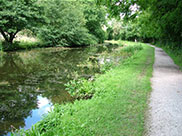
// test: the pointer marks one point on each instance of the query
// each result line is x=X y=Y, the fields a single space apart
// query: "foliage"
x=157 y=20
x=122 y=7
x=95 y=19
x=32 y=132
x=65 y=25
x=110 y=35
x=118 y=101
x=21 y=45
x=80 y=89
x=130 y=31
x=122 y=30
x=17 y=15
x=106 y=67
x=168 y=15
x=113 y=29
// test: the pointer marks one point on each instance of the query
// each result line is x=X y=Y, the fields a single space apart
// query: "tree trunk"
x=4 y=35
x=9 y=37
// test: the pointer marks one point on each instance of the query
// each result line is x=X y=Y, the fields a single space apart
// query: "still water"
x=32 y=81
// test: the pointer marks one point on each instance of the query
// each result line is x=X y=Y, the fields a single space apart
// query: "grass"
x=174 y=52
x=117 y=107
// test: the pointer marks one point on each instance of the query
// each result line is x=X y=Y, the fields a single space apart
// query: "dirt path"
x=165 y=104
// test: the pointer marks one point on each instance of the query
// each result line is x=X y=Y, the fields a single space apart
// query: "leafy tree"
x=168 y=15
x=16 y=15
x=157 y=20
x=95 y=19
x=65 y=25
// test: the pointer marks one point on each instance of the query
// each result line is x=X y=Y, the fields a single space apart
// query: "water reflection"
x=31 y=81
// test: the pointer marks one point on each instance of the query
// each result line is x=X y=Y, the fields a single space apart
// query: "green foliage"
x=168 y=15
x=116 y=7
x=21 y=45
x=17 y=15
x=110 y=35
x=156 y=20
x=31 y=132
x=95 y=19
x=122 y=30
x=130 y=31
x=80 y=89
x=106 y=67
x=65 y=25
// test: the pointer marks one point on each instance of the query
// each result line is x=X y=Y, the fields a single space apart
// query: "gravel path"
x=165 y=104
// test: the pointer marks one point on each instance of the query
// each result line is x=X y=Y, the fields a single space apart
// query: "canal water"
x=32 y=81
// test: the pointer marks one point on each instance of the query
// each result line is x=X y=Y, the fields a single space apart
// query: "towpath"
x=165 y=103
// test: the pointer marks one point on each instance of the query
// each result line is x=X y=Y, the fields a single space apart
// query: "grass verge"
x=117 y=107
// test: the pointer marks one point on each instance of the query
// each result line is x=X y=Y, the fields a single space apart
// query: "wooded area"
x=73 y=23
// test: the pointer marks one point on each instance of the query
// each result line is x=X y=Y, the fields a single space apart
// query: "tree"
x=16 y=15
x=95 y=19
x=65 y=25
x=160 y=20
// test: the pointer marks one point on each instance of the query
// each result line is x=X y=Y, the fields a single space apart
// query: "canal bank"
x=117 y=107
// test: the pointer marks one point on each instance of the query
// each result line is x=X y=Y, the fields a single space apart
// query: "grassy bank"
x=174 y=52
x=117 y=107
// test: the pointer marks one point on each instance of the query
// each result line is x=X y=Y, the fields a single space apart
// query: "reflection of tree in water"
x=15 y=106
x=16 y=103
